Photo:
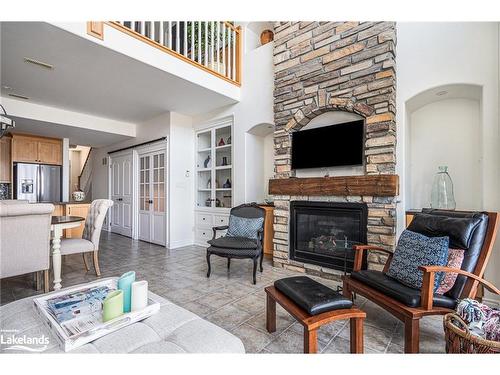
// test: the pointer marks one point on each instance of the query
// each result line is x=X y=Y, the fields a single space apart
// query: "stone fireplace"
x=335 y=66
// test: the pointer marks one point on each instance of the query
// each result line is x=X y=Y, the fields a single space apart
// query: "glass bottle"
x=442 y=190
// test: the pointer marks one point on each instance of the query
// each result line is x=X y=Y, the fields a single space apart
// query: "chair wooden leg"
x=84 y=255
x=38 y=281
x=270 y=314
x=412 y=335
x=255 y=270
x=310 y=341
x=96 y=264
x=261 y=259
x=208 y=263
x=46 y=285
x=356 y=335
x=228 y=263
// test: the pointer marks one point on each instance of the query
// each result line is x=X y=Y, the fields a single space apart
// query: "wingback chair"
x=473 y=232
x=21 y=253
x=89 y=243
x=243 y=239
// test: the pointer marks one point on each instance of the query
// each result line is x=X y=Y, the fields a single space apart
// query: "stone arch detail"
x=323 y=103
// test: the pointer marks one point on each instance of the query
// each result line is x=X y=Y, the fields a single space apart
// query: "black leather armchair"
x=239 y=247
x=474 y=232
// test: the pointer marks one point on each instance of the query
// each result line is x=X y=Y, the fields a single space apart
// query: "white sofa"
x=171 y=330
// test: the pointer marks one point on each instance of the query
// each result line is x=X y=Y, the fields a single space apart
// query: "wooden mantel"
x=369 y=185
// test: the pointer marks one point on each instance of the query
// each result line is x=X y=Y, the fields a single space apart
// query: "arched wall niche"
x=444 y=128
x=259 y=142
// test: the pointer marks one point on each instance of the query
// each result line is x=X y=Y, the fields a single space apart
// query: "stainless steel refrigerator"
x=37 y=182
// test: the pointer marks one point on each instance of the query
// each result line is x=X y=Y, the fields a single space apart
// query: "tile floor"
x=229 y=300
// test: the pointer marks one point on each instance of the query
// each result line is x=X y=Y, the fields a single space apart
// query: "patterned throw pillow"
x=455 y=259
x=414 y=250
x=244 y=227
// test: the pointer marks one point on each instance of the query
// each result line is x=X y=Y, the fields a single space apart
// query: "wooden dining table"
x=58 y=225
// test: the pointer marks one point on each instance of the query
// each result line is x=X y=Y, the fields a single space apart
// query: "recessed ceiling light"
x=38 y=63
x=441 y=93
x=19 y=96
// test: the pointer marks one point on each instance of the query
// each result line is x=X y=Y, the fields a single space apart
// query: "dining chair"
x=20 y=253
x=89 y=243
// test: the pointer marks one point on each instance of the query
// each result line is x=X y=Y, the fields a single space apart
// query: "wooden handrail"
x=221 y=54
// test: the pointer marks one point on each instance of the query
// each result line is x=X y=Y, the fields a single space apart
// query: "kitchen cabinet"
x=33 y=149
x=5 y=159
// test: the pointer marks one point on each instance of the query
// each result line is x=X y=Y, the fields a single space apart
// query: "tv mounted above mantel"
x=329 y=146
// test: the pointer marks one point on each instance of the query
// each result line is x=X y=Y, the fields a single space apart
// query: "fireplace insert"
x=323 y=233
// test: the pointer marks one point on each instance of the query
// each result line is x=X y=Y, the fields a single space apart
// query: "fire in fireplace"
x=323 y=233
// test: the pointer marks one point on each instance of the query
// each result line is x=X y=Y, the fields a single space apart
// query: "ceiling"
x=93 y=79
x=77 y=136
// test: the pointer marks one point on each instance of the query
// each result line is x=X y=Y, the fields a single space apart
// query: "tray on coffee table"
x=87 y=327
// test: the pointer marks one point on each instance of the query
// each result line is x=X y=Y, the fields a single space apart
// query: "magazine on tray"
x=79 y=311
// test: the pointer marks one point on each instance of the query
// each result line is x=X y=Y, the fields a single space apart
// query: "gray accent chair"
x=239 y=247
x=25 y=239
x=89 y=243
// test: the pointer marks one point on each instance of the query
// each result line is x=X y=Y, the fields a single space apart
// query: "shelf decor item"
x=221 y=142
x=224 y=160
x=442 y=196
x=266 y=36
x=206 y=163
x=209 y=183
x=227 y=184
x=125 y=284
x=228 y=140
x=112 y=306
x=78 y=196
x=139 y=295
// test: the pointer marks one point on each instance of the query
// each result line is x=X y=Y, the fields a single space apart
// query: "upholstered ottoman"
x=171 y=330
x=313 y=305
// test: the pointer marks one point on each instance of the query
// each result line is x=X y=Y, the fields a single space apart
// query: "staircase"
x=85 y=178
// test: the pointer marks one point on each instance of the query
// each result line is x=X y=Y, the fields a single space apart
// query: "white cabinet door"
x=152 y=198
x=122 y=194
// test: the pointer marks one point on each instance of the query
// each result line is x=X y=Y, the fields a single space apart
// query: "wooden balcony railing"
x=214 y=46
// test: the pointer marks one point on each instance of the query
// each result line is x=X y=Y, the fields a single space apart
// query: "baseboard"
x=180 y=243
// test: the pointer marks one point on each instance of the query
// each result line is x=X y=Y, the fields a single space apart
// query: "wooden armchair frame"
x=411 y=316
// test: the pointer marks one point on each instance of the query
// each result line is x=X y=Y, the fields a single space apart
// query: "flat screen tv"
x=329 y=146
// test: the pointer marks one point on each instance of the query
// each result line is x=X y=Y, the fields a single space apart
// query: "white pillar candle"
x=139 y=295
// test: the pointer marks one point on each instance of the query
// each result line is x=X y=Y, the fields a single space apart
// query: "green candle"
x=112 y=306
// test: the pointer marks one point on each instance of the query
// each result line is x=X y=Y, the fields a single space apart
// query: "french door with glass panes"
x=152 y=197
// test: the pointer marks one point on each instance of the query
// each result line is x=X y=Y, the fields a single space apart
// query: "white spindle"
x=212 y=47
x=223 y=48
x=218 y=46
x=161 y=33
x=199 y=42
x=185 y=38
x=234 y=55
x=177 y=36
x=229 y=64
x=193 y=57
x=206 y=43
x=169 y=29
x=143 y=28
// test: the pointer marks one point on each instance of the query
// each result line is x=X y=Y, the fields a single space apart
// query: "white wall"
x=446 y=132
x=268 y=163
x=254 y=170
x=147 y=131
x=181 y=181
x=435 y=54
x=74 y=167
x=256 y=107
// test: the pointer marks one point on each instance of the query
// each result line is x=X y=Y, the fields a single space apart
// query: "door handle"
x=150 y=201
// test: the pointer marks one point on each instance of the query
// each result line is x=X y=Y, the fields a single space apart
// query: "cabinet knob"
x=203 y=219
